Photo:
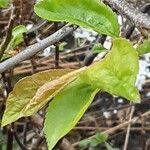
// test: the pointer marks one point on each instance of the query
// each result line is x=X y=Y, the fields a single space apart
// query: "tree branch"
x=139 y=18
x=33 y=49
x=7 y=39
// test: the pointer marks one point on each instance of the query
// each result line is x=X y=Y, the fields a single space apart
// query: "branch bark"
x=140 y=19
x=33 y=49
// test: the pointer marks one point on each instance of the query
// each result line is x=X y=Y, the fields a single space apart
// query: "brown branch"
x=120 y=126
x=7 y=39
x=128 y=129
x=140 y=19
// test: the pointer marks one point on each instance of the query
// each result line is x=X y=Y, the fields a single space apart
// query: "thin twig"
x=33 y=64
x=22 y=146
x=7 y=39
x=143 y=134
x=128 y=129
x=85 y=128
x=9 y=139
x=32 y=50
x=37 y=27
x=56 y=49
x=120 y=126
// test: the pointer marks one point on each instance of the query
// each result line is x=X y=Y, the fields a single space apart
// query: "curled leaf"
x=17 y=36
x=27 y=97
x=48 y=91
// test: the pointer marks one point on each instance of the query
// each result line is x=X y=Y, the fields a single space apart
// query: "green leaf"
x=19 y=30
x=17 y=36
x=116 y=73
x=98 y=48
x=144 y=47
x=4 y=3
x=91 y=14
x=94 y=140
x=5 y=56
x=31 y=93
x=66 y=109
x=61 y=46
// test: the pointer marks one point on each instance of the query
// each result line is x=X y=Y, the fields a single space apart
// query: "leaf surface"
x=66 y=109
x=91 y=14
x=31 y=93
x=144 y=47
x=95 y=140
x=4 y=3
x=98 y=48
x=116 y=73
x=49 y=90
x=17 y=36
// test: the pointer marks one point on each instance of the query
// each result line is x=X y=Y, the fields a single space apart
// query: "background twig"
x=32 y=50
x=7 y=39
